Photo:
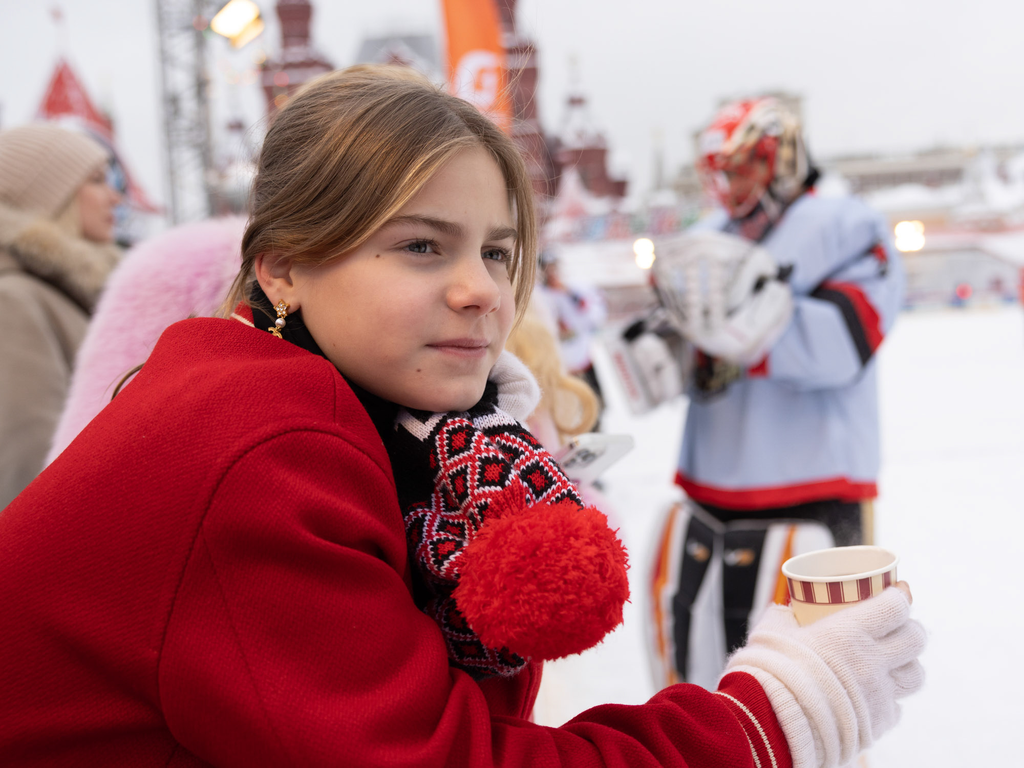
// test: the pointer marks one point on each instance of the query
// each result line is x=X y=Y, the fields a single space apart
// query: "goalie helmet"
x=753 y=152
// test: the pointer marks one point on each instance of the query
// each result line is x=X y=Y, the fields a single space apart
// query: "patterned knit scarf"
x=512 y=565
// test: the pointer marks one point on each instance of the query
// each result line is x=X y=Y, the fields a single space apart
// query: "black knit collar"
x=295 y=331
x=382 y=412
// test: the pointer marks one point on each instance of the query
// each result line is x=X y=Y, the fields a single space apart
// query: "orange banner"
x=477 y=70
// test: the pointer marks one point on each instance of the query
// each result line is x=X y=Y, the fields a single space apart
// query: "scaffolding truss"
x=184 y=78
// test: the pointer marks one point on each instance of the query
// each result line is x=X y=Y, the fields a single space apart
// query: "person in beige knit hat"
x=56 y=250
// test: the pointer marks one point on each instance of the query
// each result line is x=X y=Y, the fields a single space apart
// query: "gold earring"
x=282 y=313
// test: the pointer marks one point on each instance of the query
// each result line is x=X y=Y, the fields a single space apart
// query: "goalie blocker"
x=651 y=360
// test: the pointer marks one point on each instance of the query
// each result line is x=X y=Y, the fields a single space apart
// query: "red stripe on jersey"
x=760 y=370
x=866 y=312
x=880 y=254
x=841 y=488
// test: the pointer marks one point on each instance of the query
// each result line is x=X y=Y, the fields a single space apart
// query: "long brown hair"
x=349 y=149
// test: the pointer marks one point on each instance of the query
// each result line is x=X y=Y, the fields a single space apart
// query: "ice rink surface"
x=951 y=504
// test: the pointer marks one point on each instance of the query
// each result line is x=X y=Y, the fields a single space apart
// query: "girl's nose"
x=473 y=286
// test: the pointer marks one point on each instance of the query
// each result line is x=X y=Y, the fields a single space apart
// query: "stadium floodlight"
x=909 y=236
x=239 y=21
x=644 y=250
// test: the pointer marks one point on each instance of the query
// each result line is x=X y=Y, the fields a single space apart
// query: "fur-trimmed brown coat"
x=49 y=283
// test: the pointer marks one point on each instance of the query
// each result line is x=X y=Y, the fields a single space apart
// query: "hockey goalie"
x=770 y=312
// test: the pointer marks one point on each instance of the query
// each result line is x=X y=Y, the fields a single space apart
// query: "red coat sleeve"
x=294 y=640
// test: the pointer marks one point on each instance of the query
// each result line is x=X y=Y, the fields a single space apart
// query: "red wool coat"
x=215 y=572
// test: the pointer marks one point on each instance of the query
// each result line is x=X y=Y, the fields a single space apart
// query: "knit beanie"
x=43 y=165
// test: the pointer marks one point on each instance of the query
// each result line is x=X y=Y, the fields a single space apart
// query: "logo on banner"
x=478 y=78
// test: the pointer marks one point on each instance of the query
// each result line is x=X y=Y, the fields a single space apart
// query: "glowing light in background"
x=239 y=21
x=644 y=250
x=964 y=291
x=909 y=236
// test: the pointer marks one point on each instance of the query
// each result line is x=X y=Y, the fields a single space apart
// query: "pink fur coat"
x=183 y=271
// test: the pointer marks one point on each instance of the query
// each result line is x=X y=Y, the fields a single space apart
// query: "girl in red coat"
x=217 y=571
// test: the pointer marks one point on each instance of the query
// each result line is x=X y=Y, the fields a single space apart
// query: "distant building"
x=299 y=62
x=963 y=268
x=934 y=168
x=416 y=51
x=527 y=131
x=959 y=226
x=580 y=146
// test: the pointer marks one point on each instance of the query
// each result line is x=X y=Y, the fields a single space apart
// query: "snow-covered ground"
x=952 y=392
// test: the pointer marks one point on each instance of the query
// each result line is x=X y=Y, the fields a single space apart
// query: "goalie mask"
x=724 y=293
x=753 y=152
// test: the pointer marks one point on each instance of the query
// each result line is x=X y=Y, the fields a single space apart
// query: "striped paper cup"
x=827 y=580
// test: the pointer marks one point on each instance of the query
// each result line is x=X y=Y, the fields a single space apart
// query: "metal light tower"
x=186 y=112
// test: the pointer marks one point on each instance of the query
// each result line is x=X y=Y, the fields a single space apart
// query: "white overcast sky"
x=876 y=75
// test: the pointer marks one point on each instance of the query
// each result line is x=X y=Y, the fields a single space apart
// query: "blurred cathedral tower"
x=299 y=61
x=580 y=147
x=521 y=56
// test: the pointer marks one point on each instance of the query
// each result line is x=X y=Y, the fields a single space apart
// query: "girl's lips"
x=462 y=347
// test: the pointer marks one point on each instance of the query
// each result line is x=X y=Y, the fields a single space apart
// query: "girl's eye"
x=422 y=246
x=497 y=254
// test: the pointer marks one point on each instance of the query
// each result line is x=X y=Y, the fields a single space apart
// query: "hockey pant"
x=712 y=578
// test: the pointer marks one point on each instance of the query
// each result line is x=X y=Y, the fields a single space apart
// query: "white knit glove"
x=518 y=392
x=834 y=684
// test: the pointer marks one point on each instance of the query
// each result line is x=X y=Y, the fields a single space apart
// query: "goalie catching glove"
x=724 y=293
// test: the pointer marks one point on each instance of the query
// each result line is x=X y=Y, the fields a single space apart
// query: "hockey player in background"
x=579 y=312
x=784 y=297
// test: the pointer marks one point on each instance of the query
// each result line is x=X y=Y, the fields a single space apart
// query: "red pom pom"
x=547 y=581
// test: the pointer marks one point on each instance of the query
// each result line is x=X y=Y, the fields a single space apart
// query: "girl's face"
x=96 y=203
x=419 y=313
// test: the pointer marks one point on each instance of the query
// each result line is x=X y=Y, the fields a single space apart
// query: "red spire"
x=65 y=96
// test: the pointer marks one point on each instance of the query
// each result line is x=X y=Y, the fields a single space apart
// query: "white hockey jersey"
x=802 y=424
